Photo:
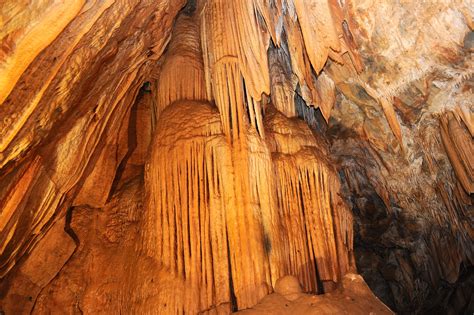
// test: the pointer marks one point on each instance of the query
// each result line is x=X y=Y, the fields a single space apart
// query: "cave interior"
x=250 y=156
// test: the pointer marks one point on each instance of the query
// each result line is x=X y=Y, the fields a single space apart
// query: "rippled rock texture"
x=411 y=195
x=164 y=156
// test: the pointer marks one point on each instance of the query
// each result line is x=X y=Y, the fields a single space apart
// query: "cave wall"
x=411 y=191
x=65 y=124
x=68 y=105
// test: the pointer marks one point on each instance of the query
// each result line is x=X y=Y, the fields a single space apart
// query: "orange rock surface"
x=212 y=156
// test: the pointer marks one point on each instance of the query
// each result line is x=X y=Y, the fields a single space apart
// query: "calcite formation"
x=211 y=156
x=288 y=298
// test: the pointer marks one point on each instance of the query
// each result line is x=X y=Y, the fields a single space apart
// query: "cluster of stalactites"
x=235 y=62
x=232 y=210
x=236 y=36
x=239 y=66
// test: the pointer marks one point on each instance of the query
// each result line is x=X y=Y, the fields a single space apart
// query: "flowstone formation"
x=212 y=156
x=222 y=205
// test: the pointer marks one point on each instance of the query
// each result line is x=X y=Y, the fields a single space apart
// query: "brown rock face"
x=411 y=197
x=163 y=157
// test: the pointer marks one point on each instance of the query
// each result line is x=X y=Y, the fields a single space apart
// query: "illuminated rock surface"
x=163 y=157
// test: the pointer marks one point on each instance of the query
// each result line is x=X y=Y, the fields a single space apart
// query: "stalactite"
x=181 y=75
x=237 y=72
x=462 y=113
x=327 y=94
x=300 y=62
x=236 y=51
x=307 y=113
x=458 y=144
x=318 y=29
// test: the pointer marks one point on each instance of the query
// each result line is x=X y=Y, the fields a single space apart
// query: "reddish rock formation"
x=166 y=157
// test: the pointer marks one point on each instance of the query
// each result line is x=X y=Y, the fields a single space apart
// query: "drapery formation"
x=237 y=201
x=176 y=175
x=69 y=109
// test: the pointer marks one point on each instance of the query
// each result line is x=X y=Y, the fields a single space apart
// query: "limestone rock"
x=162 y=156
x=289 y=287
